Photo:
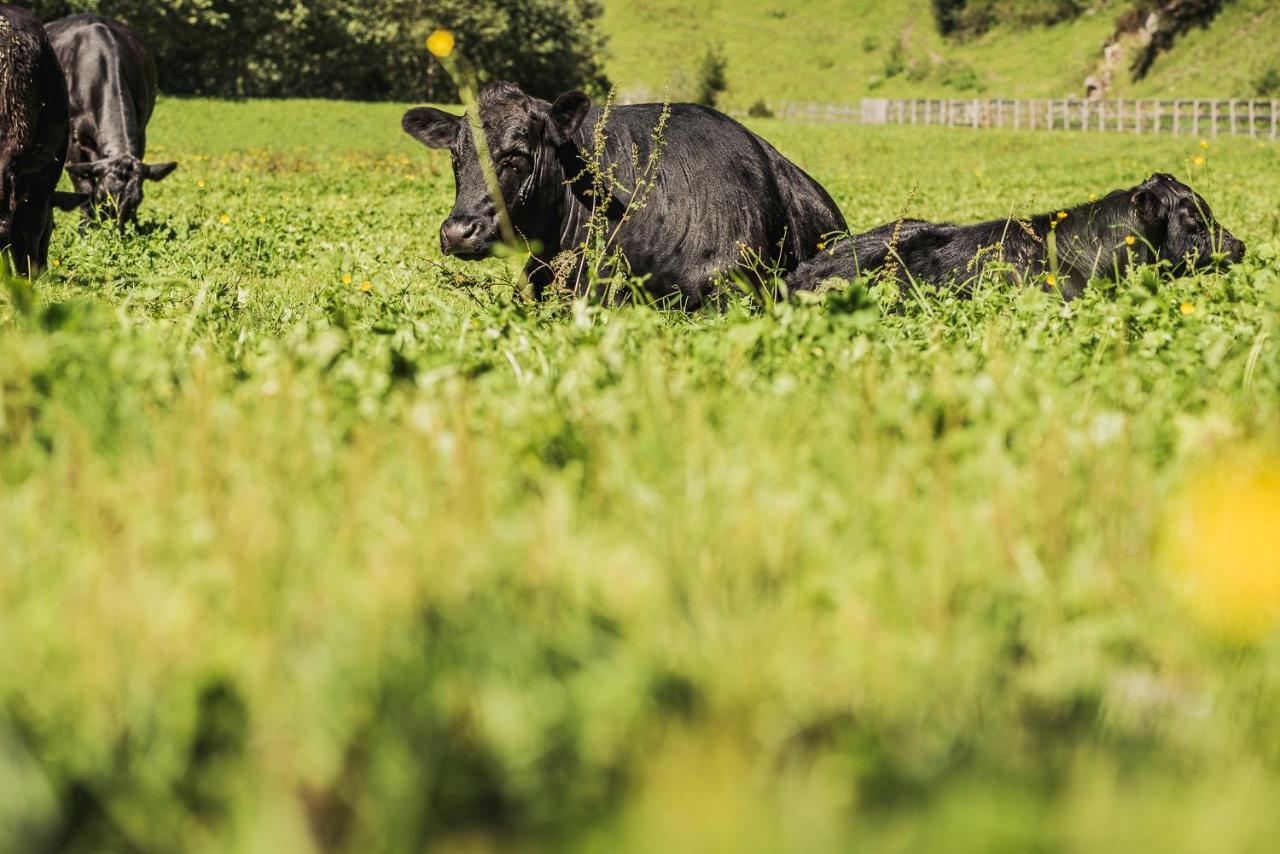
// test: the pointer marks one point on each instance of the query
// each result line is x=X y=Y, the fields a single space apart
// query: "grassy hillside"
x=843 y=50
x=314 y=541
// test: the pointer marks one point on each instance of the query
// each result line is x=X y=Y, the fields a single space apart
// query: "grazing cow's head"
x=115 y=185
x=523 y=134
x=1180 y=227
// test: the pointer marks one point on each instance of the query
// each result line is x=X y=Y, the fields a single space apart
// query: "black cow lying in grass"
x=112 y=86
x=33 y=139
x=1161 y=219
x=686 y=202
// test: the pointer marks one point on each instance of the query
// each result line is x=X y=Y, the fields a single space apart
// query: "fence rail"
x=1236 y=117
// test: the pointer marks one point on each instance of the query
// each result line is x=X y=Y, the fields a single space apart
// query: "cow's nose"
x=460 y=232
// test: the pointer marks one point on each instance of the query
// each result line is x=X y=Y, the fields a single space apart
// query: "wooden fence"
x=1237 y=117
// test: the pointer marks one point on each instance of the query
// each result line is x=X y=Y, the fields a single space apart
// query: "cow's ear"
x=158 y=171
x=431 y=127
x=568 y=112
x=68 y=201
x=86 y=170
x=1149 y=205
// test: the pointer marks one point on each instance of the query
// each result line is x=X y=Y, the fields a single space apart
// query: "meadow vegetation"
x=313 y=540
x=838 y=51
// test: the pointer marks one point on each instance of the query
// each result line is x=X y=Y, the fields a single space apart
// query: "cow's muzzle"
x=467 y=237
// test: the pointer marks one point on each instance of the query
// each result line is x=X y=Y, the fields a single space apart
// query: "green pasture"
x=314 y=540
x=838 y=51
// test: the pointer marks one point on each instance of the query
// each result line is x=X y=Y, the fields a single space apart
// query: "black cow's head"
x=522 y=134
x=1179 y=225
x=115 y=185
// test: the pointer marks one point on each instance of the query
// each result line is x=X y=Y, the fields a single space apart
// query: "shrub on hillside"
x=974 y=17
x=712 y=79
x=360 y=49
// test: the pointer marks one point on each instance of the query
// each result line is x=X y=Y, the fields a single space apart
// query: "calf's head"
x=522 y=134
x=115 y=186
x=1180 y=227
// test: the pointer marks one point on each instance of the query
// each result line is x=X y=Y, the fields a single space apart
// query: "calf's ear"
x=158 y=171
x=68 y=201
x=1149 y=205
x=567 y=114
x=431 y=127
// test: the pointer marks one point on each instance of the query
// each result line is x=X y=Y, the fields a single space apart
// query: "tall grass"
x=292 y=565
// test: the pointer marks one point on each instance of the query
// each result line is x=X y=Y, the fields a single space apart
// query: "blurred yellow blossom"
x=440 y=43
x=1130 y=240
x=224 y=219
x=1198 y=160
x=200 y=183
x=366 y=286
x=1187 y=308
x=347 y=278
x=1052 y=280
x=1204 y=144
x=1222 y=546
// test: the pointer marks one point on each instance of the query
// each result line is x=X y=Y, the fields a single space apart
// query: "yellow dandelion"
x=440 y=43
x=366 y=286
x=1052 y=280
x=1221 y=544
x=347 y=278
x=1130 y=240
x=262 y=220
x=1093 y=197
x=821 y=245
x=1062 y=214
x=1198 y=160
x=200 y=183
x=1204 y=144
x=55 y=263
x=1187 y=308
x=224 y=219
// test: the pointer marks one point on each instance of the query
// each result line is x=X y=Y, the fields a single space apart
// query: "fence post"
x=1213 y=118
x=1273 y=119
x=1253 y=127
x=1176 y=117
x=1231 y=112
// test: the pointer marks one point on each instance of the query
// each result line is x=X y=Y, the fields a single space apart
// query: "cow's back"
x=718 y=190
x=20 y=48
x=105 y=62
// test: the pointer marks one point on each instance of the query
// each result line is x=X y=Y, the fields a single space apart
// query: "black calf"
x=1161 y=219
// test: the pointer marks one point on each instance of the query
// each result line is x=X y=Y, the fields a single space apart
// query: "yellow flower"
x=224 y=219
x=1130 y=240
x=366 y=286
x=200 y=183
x=347 y=278
x=1187 y=308
x=1221 y=544
x=440 y=43
x=1093 y=197
x=55 y=263
x=1052 y=280
x=262 y=220
x=821 y=246
x=1198 y=160
x=1062 y=214
x=1204 y=144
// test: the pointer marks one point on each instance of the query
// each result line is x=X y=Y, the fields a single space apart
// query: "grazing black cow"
x=33 y=139
x=717 y=195
x=1161 y=219
x=111 y=79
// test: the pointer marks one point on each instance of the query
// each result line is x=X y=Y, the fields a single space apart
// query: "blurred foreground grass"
x=288 y=563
